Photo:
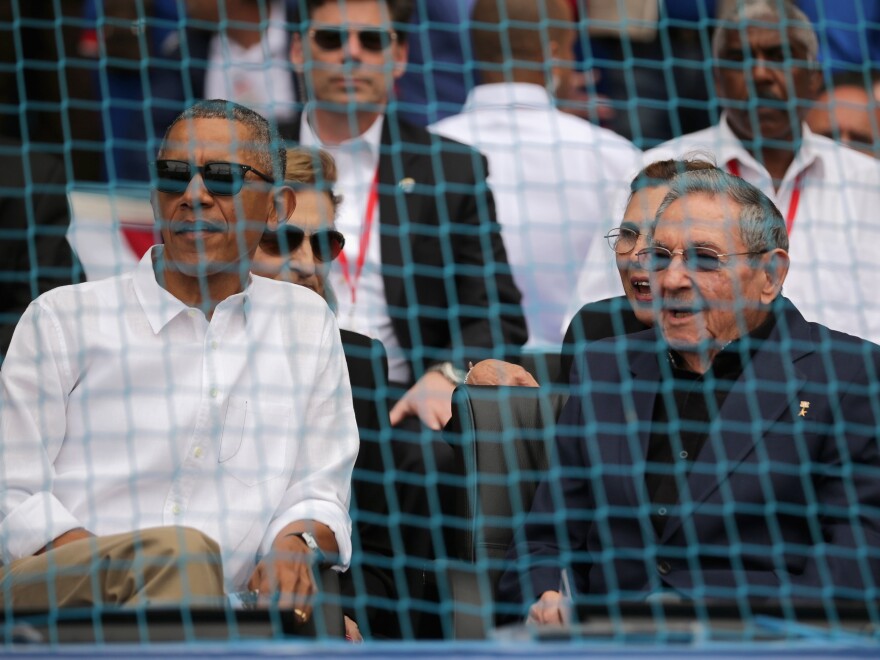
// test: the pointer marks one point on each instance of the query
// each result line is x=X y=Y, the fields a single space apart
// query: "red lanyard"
x=366 y=228
x=733 y=168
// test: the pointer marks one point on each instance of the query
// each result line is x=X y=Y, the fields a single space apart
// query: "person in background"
x=554 y=176
x=35 y=255
x=301 y=251
x=848 y=113
x=766 y=77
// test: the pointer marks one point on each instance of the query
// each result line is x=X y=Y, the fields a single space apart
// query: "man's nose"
x=353 y=49
x=196 y=194
x=677 y=275
x=302 y=260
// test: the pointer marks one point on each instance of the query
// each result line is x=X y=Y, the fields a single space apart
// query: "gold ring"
x=302 y=616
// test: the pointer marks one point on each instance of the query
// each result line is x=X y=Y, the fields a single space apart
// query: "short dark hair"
x=400 y=12
x=267 y=142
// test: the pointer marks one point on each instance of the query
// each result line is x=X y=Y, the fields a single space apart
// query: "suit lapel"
x=399 y=166
x=765 y=392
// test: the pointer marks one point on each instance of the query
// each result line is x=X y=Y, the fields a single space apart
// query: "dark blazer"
x=779 y=502
x=611 y=317
x=447 y=282
x=370 y=573
x=34 y=217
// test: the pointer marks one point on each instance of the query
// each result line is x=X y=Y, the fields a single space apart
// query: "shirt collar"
x=370 y=138
x=160 y=307
x=497 y=95
x=731 y=148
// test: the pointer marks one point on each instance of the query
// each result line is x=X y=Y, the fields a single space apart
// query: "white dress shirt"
x=553 y=176
x=258 y=76
x=835 y=235
x=121 y=408
x=357 y=161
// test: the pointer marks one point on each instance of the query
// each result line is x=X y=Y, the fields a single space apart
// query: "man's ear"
x=775 y=271
x=284 y=205
x=400 y=55
x=297 y=58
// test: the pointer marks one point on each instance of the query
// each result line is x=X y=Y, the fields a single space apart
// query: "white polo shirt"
x=835 y=234
x=554 y=177
x=121 y=408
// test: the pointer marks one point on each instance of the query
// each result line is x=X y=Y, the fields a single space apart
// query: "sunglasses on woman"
x=326 y=243
x=220 y=178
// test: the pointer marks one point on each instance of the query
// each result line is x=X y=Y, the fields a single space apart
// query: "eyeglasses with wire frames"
x=622 y=239
x=700 y=259
x=221 y=178
x=374 y=40
x=326 y=244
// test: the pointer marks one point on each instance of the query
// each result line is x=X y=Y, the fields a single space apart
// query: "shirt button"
x=192 y=313
x=662 y=510
x=664 y=568
x=214 y=392
x=214 y=345
x=197 y=452
x=683 y=454
x=175 y=509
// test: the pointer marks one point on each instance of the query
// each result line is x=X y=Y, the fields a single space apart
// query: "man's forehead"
x=209 y=134
x=768 y=33
x=700 y=217
x=351 y=12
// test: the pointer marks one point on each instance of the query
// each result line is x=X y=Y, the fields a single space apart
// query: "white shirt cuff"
x=35 y=522
x=322 y=512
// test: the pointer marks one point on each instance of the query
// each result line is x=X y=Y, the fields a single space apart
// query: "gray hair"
x=761 y=13
x=267 y=143
x=761 y=225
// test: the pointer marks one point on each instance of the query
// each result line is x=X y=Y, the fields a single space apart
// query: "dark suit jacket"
x=775 y=501
x=34 y=217
x=370 y=573
x=447 y=282
x=611 y=317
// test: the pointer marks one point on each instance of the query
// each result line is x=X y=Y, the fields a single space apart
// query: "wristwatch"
x=449 y=371
x=317 y=554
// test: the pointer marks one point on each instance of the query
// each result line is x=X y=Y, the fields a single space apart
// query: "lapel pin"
x=407 y=184
x=805 y=405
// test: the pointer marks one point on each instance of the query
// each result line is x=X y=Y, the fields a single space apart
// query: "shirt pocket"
x=253 y=445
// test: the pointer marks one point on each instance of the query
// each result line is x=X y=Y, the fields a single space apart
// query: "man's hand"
x=73 y=535
x=287 y=571
x=352 y=632
x=550 y=609
x=430 y=399
x=496 y=372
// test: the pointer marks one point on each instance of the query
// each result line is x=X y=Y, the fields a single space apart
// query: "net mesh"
x=188 y=433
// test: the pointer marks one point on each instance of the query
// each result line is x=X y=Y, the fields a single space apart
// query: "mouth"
x=680 y=309
x=198 y=227
x=642 y=289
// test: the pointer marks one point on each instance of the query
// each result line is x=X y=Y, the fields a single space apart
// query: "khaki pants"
x=161 y=565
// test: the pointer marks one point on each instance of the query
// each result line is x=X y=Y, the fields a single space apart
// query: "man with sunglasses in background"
x=728 y=453
x=186 y=429
x=424 y=268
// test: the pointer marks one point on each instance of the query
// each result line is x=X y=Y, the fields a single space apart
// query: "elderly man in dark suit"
x=732 y=454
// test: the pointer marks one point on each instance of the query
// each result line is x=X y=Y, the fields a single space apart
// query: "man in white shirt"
x=766 y=79
x=184 y=415
x=553 y=175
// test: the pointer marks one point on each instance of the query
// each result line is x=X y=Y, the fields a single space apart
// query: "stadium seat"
x=500 y=436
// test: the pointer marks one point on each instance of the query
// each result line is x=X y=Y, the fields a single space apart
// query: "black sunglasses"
x=374 y=40
x=326 y=244
x=701 y=259
x=220 y=178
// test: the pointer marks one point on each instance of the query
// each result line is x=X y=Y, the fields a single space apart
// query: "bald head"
x=514 y=39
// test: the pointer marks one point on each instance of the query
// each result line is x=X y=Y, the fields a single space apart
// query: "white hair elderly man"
x=766 y=80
